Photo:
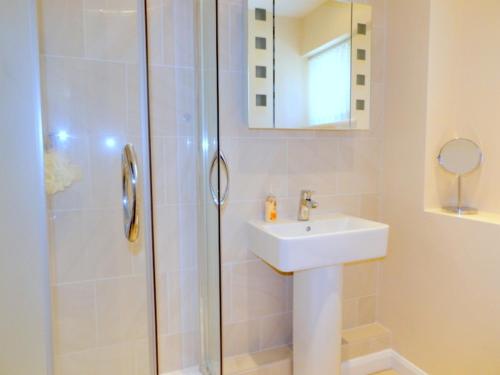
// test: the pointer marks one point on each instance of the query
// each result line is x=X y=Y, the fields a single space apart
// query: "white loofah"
x=59 y=172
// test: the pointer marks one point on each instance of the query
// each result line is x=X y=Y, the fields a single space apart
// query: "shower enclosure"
x=130 y=131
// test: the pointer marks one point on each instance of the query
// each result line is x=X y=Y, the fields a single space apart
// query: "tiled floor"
x=273 y=361
x=356 y=342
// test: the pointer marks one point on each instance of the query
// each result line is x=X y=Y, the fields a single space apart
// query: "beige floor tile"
x=252 y=362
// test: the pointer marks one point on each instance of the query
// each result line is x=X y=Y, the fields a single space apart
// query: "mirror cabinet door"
x=308 y=64
x=361 y=60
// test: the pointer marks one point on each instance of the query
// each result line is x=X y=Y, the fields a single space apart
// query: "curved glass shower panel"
x=171 y=53
x=94 y=104
x=211 y=197
x=186 y=244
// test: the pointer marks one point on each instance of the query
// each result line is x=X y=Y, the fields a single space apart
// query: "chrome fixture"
x=213 y=190
x=460 y=157
x=129 y=193
x=305 y=205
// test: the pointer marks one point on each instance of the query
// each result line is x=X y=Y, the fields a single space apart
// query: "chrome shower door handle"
x=129 y=193
x=214 y=191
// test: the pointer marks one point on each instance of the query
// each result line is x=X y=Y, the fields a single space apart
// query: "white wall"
x=24 y=297
x=440 y=282
x=462 y=99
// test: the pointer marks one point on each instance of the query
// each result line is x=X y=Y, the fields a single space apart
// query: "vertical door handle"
x=129 y=193
x=213 y=190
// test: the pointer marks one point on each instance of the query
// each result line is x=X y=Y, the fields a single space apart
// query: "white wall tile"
x=360 y=279
x=106 y=172
x=234 y=230
x=74 y=317
x=111 y=30
x=64 y=96
x=121 y=309
x=241 y=338
x=170 y=352
x=61 y=27
x=162 y=303
x=312 y=165
x=258 y=166
x=236 y=34
x=183 y=304
x=173 y=101
x=179 y=164
x=105 y=98
x=155 y=15
x=359 y=163
x=100 y=361
x=276 y=331
x=257 y=291
x=175 y=236
x=105 y=244
x=68 y=253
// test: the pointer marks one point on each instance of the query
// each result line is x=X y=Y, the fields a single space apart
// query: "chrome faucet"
x=305 y=205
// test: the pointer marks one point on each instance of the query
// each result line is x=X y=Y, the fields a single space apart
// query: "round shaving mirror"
x=460 y=156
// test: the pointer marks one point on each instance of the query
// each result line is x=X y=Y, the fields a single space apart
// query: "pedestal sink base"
x=317 y=321
x=315 y=251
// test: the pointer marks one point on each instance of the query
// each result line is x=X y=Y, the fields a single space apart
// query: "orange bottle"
x=271 y=209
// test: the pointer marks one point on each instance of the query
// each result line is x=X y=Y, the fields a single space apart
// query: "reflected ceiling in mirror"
x=309 y=64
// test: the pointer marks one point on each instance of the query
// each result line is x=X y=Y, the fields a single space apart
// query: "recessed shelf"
x=481 y=216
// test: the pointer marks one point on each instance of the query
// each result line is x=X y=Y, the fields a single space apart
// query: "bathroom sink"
x=291 y=246
x=315 y=252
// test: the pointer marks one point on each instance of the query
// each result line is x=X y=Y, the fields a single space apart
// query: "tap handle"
x=306 y=194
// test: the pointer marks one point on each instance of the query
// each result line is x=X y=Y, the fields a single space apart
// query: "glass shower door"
x=214 y=190
x=97 y=180
x=183 y=93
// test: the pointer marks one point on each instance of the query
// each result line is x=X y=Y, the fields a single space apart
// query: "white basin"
x=291 y=246
x=316 y=251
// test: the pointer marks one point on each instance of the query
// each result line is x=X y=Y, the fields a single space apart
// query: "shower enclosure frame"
x=147 y=208
x=211 y=196
x=142 y=30
x=205 y=171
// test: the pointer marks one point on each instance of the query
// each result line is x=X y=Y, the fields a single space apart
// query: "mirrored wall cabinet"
x=308 y=64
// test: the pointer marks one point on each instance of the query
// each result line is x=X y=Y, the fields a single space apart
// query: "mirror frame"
x=476 y=167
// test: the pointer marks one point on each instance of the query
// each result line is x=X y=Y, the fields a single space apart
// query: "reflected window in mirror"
x=329 y=91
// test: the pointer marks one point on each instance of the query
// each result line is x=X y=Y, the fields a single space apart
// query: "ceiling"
x=296 y=8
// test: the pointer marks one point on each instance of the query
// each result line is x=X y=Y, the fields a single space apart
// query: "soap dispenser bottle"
x=271 y=209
